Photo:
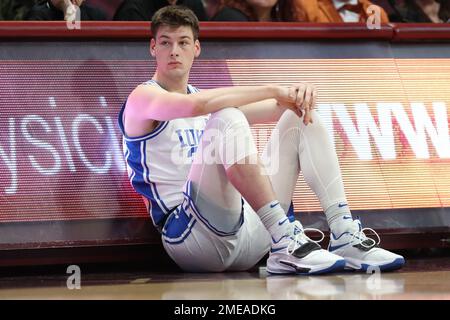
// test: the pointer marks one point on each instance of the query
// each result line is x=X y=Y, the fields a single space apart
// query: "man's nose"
x=174 y=52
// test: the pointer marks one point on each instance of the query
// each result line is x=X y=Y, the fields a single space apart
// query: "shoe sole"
x=394 y=265
x=339 y=265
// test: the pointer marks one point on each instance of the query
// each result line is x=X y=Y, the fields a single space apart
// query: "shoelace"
x=362 y=238
x=300 y=235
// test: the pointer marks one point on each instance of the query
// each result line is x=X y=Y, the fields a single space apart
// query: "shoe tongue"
x=355 y=226
x=297 y=229
x=369 y=242
x=305 y=249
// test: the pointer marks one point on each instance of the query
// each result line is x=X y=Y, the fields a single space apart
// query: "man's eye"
x=164 y=43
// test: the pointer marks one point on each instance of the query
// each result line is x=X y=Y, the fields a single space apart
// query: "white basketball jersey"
x=158 y=163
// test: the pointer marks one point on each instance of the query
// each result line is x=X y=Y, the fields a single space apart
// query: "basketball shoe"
x=361 y=252
x=295 y=253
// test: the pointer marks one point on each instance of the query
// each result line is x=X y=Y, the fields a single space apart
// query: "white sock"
x=339 y=217
x=272 y=216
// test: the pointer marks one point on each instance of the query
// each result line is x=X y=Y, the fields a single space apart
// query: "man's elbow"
x=197 y=106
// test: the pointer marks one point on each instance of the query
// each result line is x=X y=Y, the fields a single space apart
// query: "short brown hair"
x=175 y=16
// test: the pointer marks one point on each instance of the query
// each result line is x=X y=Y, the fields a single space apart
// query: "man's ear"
x=198 y=48
x=152 y=47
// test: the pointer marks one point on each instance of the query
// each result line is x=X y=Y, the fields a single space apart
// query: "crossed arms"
x=260 y=104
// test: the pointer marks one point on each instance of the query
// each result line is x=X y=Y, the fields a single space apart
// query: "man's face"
x=174 y=50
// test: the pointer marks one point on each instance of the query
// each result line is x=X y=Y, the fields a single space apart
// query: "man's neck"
x=171 y=85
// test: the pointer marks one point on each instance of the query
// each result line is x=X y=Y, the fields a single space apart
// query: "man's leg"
x=220 y=229
x=319 y=164
x=227 y=166
x=284 y=157
x=309 y=149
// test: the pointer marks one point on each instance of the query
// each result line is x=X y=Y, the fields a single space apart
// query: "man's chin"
x=179 y=73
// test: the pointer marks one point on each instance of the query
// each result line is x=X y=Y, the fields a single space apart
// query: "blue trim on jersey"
x=178 y=226
x=158 y=129
x=156 y=213
x=136 y=158
x=158 y=197
x=139 y=181
x=126 y=155
x=204 y=220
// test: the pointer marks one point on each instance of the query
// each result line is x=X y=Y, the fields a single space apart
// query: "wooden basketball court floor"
x=422 y=278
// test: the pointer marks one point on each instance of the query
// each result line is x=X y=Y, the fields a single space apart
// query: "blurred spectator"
x=109 y=7
x=58 y=9
x=15 y=10
x=337 y=10
x=437 y=11
x=212 y=7
x=143 y=10
x=257 y=10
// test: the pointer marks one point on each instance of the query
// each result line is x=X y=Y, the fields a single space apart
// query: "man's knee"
x=230 y=129
x=229 y=117
x=291 y=120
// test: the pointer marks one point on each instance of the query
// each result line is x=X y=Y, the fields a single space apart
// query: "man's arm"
x=154 y=103
x=271 y=110
x=264 y=111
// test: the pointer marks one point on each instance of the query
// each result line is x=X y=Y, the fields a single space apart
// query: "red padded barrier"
x=229 y=30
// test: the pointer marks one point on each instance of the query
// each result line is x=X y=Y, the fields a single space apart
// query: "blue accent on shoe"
x=282 y=222
x=347 y=217
x=331 y=248
x=337 y=238
x=337 y=266
x=297 y=230
x=342 y=205
x=278 y=249
x=274 y=205
x=274 y=241
x=394 y=265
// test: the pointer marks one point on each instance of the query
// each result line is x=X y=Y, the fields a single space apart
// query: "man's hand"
x=300 y=98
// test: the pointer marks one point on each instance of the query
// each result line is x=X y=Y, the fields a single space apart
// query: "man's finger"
x=300 y=96
x=308 y=98
x=292 y=94
x=314 y=99
x=307 y=117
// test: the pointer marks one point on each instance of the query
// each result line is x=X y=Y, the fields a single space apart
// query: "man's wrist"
x=274 y=91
